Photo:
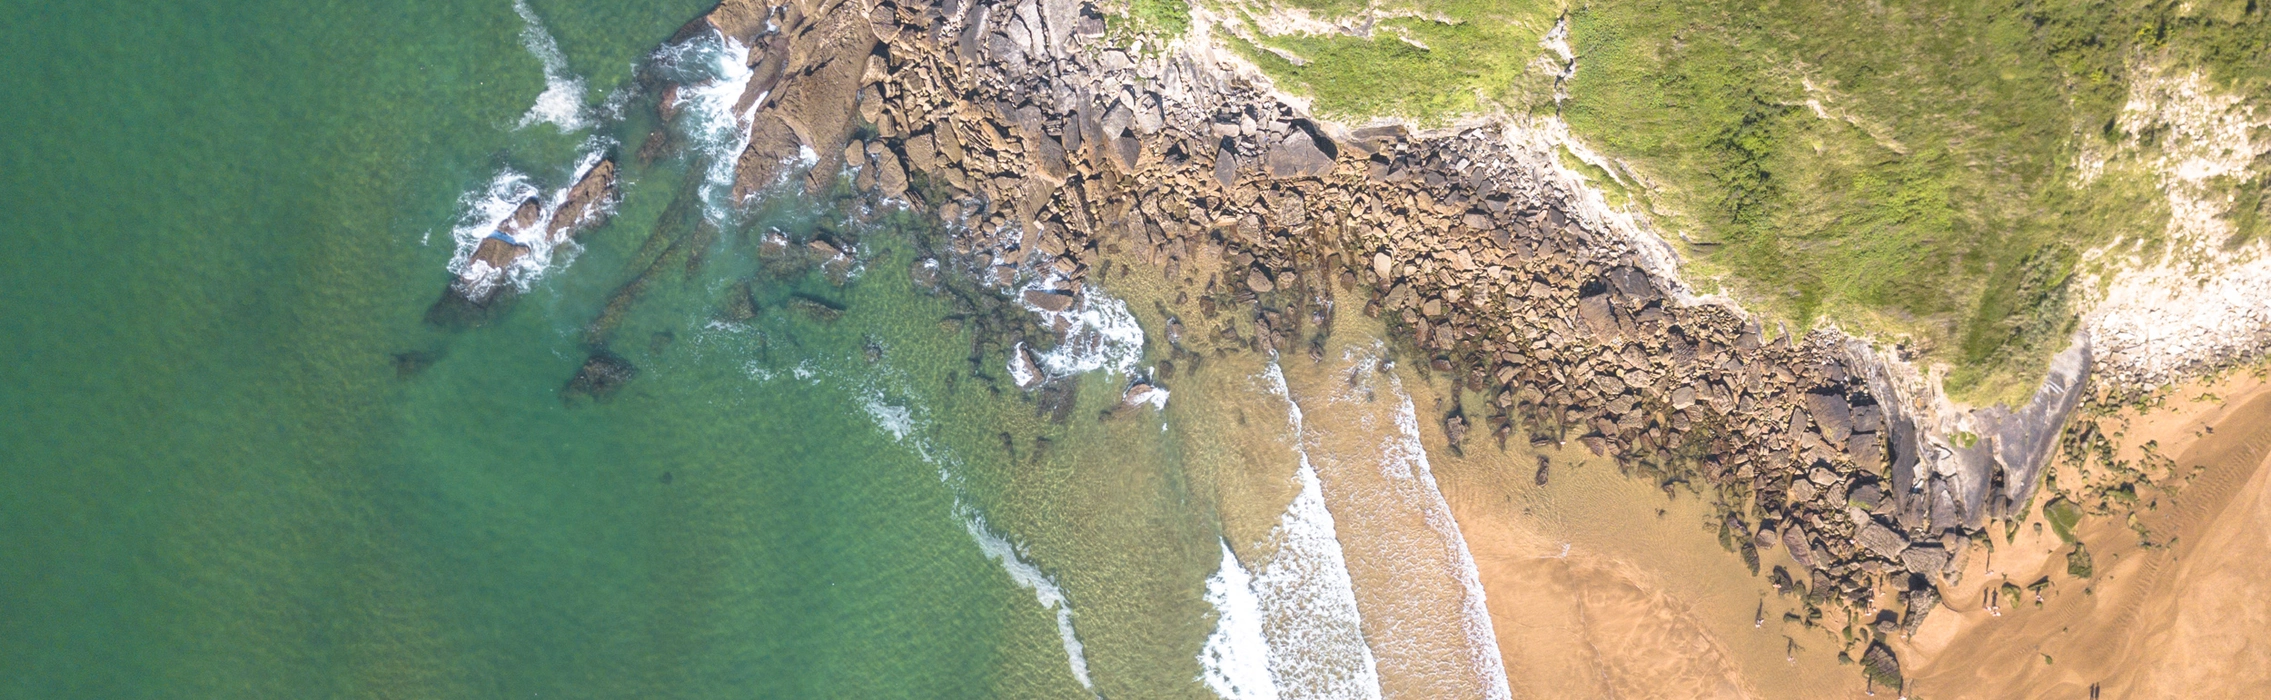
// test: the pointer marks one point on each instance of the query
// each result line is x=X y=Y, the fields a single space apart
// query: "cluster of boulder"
x=582 y=206
x=1051 y=153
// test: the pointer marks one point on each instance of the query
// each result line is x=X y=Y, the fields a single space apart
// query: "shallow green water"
x=224 y=219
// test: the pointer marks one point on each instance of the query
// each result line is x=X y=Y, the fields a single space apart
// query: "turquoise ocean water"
x=224 y=221
x=236 y=460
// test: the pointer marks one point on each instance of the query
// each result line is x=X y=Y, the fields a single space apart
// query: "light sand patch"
x=2188 y=620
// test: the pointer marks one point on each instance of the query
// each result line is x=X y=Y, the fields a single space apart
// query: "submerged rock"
x=603 y=374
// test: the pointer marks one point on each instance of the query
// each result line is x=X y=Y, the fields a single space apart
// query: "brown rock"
x=1048 y=300
x=1259 y=281
x=1881 y=540
x=1296 y=156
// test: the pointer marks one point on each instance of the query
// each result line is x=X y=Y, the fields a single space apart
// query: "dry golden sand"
x=1648 y=605
x=2189 y=620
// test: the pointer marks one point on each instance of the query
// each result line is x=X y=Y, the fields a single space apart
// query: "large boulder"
x=1297 y=155
x=1801 y=550
x=1048 y=299
x=1833 y=415
x=1881 y=666
x=1881 y=540
x=1926 y=559
x=1594 y=312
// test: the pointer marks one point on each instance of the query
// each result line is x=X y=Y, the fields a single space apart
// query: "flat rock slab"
x=1882 y=540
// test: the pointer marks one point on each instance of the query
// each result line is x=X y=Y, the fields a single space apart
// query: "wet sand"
x=1599 y=585
x=2192 y=619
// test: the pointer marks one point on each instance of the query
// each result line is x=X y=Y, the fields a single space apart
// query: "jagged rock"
x=1631 y=282
x=890 y=179
x=1259 y=281
x=1794 y=537
x=1881 y=666
x=1802 y=491
x=1594 y=312
x=1023 y=371
x=1139 y=394
x=1865 y=496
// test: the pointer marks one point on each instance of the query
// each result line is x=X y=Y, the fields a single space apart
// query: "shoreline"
x=1053 y=157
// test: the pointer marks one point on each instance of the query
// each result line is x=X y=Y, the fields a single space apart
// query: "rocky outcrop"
x=474 y=293
x=1051 y=154
x=1056 y=160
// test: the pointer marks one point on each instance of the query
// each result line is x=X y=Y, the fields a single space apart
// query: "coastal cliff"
x=1057 y=157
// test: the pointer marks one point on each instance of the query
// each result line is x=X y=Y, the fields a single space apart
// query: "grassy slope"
x=1938 y=200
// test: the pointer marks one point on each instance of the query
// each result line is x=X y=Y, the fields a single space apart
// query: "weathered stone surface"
x=1259 y=281
x=1881 y=665
x=1297 y=155
x=1048 y=300
x=1881 y=540
x=1927 y=559
x=1594 y=312
x=1802 y=551
x=1832 y=415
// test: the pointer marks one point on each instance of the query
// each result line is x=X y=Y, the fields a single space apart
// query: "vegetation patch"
x=1902 y=168
x=2063 y=515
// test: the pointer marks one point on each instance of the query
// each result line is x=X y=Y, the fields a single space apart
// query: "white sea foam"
x=903 y=426
x=1021 y=371
x=1315 y=633
x=1098 y=332
x=713 y=71
x=1235 y=662
x=562 y=102
x=1031 y=577
x=1156 y=398
x=486 y=209
x=1404 y=462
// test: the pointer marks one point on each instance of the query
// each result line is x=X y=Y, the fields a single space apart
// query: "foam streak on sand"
x=1410 y=559
x=900 y=423
x=562 y=102
x=1405 y=463
x=1235 y=662
x=1306 y=602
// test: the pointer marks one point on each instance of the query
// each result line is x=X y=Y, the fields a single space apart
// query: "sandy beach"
x=2182 y=618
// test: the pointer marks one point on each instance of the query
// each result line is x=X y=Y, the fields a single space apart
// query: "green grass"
x=1416 y=68
x=1934 y=194
x=1154 y=18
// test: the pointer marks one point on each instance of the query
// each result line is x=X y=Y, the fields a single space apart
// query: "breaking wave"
x=1235 y=662
x=562 y=102
x=1308 y=603
x=900 y=422
x=484 y=210
x=713 y=71
x=1098 y=333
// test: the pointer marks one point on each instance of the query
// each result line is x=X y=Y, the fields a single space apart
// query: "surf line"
x=1294 y=631
x=1405 y=463
x=562 y=102
x=900 y=423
